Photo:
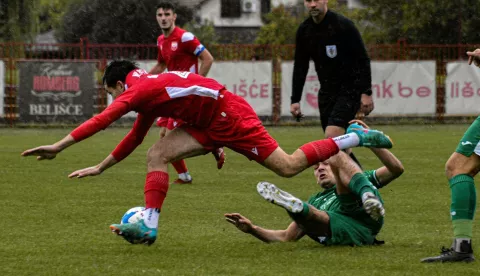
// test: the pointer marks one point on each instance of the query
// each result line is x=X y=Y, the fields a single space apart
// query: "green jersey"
x=327 y=200
x=349 y=223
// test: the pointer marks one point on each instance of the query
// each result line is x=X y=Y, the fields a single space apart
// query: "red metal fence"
x=12 y=51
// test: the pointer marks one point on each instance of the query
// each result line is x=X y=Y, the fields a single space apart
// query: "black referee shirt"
x=340 y=57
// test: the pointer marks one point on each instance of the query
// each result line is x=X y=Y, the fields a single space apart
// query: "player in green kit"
x=460 y=168
x=349 y=210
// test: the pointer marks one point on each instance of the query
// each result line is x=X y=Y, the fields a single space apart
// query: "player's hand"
x=241 y=222
x=474 y=57
x=296 y=112
x=43 y=152
x=366 y=104
x=90 y=171
x=360 y=122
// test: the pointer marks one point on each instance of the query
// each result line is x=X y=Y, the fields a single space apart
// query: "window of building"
x=231 y=8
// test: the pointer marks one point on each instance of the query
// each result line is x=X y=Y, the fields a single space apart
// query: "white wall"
x=351 y=4
x=210 y=11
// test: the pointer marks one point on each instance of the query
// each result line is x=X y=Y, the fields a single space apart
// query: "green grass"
x=52 y=225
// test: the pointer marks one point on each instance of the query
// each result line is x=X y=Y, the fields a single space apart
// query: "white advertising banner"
x=2 y=87
x=251 y=80
x=309 y=102
x=404 y=88
x=462 y=89
x=399 y=88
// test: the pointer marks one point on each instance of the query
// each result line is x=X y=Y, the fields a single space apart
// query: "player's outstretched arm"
x=128 y=144
x=50 y=151
x=392 y=166
x=292 y=233
x=95 y=170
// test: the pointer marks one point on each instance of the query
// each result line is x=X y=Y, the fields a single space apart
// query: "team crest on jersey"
x=174 y=46
x=331 y=51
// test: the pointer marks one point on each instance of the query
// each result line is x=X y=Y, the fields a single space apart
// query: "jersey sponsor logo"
x=322 y=239
x=254 y=150
x=139 y=72
x=331 y=50
x=174 y=46
x=467 y=143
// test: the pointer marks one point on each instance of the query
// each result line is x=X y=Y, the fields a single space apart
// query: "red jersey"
x=179 y=51
x=179 y=95
x=134 y=76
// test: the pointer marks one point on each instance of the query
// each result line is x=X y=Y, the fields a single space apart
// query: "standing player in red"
x=214 y=117
x=179 y=50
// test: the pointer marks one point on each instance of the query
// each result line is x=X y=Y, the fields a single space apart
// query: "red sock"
x=180 y=166
x=156 y=187
x=318 y=151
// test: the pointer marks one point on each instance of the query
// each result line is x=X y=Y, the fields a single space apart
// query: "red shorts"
x=236 y=126
x=169 y=123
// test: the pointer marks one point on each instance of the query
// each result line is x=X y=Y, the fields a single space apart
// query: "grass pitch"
x=52 y=225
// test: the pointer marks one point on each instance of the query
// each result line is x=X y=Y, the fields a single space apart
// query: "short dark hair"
x=165 y=5
x=118 y=70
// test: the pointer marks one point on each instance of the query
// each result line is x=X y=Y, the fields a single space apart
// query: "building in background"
x=235 y=21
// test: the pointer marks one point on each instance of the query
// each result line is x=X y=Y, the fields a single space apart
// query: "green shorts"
x=351 y=225
x=470 y=142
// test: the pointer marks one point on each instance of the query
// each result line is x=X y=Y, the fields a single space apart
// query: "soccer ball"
x=133 y=215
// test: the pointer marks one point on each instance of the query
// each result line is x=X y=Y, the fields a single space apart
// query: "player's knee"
x=155 y=155
x=286 y=172
x=449 y=168
x=460 y=164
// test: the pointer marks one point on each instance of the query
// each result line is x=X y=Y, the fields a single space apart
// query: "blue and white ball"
x=133 y=215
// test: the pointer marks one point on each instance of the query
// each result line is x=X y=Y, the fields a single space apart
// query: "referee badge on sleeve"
x=331 y=51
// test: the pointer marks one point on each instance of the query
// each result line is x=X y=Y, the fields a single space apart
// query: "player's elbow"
x=286 y=236
x=397 y=170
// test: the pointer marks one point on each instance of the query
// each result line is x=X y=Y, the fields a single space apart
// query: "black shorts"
x=337 y=110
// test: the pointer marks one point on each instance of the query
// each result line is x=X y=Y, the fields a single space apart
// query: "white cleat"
x=373 y=206
x=281 y=198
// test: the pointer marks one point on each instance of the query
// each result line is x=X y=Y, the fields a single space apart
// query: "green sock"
x=462 y=228
x=464 y=202
x=359 y=185
x=303 y=214
x=306 y=210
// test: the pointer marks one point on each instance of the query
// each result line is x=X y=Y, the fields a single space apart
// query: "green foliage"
x=17 y=20
x=421 y=22
x=113 y=21
x=280 y=28
x=205 y=32
x=282 y=22
x=51 y=13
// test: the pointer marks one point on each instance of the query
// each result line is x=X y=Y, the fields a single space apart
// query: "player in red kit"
x=214 y=117
x=179 y=50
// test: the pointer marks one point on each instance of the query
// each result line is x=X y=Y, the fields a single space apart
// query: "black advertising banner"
x=51 y=91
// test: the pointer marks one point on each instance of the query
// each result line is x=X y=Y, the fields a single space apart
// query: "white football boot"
x=281 y=198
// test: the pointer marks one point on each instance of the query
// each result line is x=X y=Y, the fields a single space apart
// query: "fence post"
x=401 y=48
x=276 y=89
x=84 y=51
x=12 y=100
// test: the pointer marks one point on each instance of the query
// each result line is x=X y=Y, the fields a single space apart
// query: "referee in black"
x=343 y=67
